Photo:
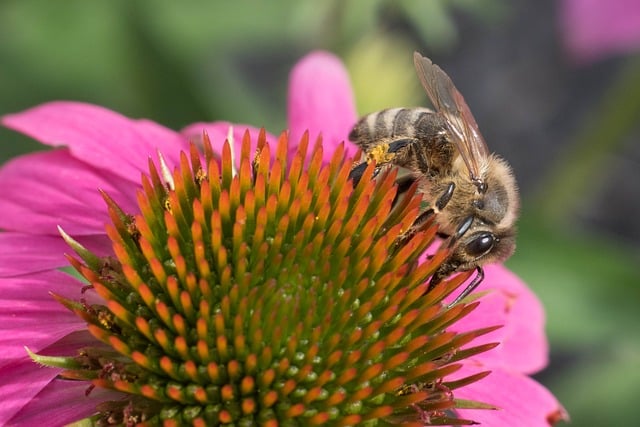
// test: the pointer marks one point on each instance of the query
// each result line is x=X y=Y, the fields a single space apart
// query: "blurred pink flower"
x=100 y=149
x=594 y=29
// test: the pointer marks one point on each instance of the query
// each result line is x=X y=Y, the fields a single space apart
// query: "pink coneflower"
x=594 y=29
x=243 y=283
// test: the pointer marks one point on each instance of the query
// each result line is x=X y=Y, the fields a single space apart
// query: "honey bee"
x=471 y=192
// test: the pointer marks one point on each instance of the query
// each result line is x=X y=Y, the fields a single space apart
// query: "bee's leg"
x=399 y=144
x=403 y=185
x=382 y=154
x=426 y=215
x=445 y=197
x=450 y=265
x=470 y=287
x=440 y=204
x=356 y=173
x=461 y=230
x=417 y=226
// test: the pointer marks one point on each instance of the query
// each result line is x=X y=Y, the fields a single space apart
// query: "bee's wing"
x=449 y=102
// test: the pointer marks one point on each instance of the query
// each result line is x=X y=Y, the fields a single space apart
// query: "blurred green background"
x=570 y=130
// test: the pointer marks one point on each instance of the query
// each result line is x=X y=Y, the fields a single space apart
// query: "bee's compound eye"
x=481 y=244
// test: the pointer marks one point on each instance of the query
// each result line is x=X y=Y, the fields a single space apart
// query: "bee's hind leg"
x=382 y=154
x=470 y=287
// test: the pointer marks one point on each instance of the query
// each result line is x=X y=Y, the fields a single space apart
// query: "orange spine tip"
x=337 y=398
x=146 y=294
x=175 y=393
x=240 y=345
x=187 y=305
x=226 y=392
x=319 y=419
x=150 y=392
x=282 y=147
x=346 y=376
x=191 y=369
x=249 y=406
x=121 y=312
x=119 y=345
x=251 y=364
x=213 y=371
x=389 y=386
x=361 y=394
x=167 y=365
x=202 y=348
x=350 y=420
x=141 y=359
x=288 y=387
x=142 y=325
x=222 y=347
x=202 y=328
x=247 y=385
x=234 y=369
x=161 y=337
x=269 y=398
x=295 y=411
x=181 y=346
x=267 y=378
x=396 y=360
x=375 y=349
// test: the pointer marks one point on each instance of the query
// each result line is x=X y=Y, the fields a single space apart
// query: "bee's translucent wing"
x=449 y=102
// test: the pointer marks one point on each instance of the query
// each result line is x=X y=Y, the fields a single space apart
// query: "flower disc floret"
x=272 y=293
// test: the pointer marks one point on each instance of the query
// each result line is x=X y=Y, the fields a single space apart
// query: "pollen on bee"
x=380 y=154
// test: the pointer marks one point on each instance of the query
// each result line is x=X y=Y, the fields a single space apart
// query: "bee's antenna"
x=480 y=184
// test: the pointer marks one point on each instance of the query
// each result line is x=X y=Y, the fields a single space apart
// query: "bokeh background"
x=555 y=89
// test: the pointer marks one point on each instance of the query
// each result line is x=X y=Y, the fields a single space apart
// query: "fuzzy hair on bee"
x=471 y=193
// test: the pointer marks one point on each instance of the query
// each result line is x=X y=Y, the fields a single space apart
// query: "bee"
x=472 y=193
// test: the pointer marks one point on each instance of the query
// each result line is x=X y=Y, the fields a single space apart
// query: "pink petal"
x=218 y=133
x=524 y=347
x=98 y=136
x=47 y=189
x=321 y=101
x=521 y=400
x=61 y=403
x=24 y=253
x=596 y=28
x=29 y=316
x=23 y=379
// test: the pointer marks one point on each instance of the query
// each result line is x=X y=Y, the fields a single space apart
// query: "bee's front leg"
x=445 y=197
x=470 y=287
x=440 y=204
